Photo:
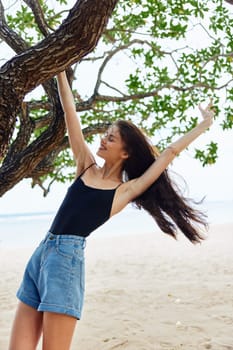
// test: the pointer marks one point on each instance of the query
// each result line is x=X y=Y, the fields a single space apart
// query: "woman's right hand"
x=207 y=113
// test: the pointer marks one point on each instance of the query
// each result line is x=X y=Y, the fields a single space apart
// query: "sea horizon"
x=27 y=228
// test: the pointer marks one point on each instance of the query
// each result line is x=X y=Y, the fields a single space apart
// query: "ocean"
x=27 y=229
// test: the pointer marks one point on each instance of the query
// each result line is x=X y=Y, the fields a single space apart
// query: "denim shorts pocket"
x=65 y=248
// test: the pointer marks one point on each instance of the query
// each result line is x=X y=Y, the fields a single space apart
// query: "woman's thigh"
x=27 y=327
x=58 y=330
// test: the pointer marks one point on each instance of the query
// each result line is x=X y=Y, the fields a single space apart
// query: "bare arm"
x=82 y=154
x=139 y=185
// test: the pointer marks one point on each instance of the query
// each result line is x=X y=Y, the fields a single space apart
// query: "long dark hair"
x=162 y=200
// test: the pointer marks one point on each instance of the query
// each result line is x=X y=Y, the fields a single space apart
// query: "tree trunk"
x=75 y=38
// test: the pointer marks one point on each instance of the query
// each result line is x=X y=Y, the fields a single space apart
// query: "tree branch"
x=110 y=54
x=10 y=36
x=112 y=87
x=23 y=136
x=39 y=15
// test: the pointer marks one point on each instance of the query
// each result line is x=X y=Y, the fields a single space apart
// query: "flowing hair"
x=162 y=200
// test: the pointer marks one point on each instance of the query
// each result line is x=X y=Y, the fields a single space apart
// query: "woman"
x=51 y=294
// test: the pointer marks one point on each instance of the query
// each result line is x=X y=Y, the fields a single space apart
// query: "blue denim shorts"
x=54 y=278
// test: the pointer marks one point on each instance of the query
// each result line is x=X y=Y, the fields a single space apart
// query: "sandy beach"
x=144 y=291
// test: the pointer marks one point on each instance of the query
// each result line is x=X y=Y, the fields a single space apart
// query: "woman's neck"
x=112 y=171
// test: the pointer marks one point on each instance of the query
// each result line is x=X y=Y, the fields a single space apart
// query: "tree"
x=166 y=78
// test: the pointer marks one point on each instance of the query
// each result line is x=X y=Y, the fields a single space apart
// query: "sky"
x=214 y=182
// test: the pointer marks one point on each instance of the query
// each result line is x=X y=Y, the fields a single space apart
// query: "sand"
x=144 y=291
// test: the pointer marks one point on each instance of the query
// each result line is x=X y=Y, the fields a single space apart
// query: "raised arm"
x=139 y=185
x=82 y=154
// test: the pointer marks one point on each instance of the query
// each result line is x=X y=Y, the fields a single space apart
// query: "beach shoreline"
x=144 y=291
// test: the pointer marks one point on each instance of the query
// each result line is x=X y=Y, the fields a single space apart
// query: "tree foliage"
x=155 y=61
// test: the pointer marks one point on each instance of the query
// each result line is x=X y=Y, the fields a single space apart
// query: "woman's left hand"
x=207 y=113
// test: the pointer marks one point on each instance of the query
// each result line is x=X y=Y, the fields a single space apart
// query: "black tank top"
x=83 y=209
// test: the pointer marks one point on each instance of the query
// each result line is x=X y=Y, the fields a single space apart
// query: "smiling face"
x=111 y=146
